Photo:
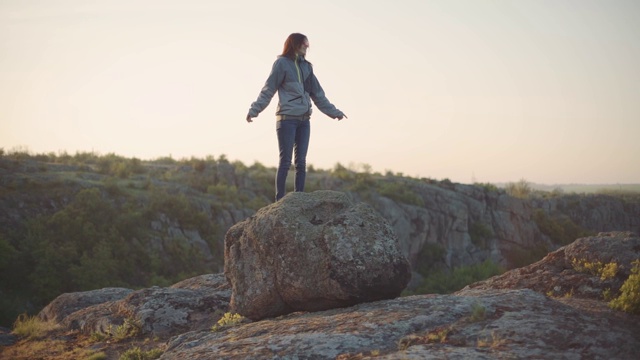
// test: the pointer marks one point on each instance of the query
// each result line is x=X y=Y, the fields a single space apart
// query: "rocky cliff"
x=472 y=224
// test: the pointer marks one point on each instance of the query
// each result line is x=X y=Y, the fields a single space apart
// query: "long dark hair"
x=292 y=44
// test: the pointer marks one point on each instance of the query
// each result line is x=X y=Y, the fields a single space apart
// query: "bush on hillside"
x=95 y=242
x=522 y=189
x=430 y=258
x=480 y=234
x=517 y=258
x=400 y=192
x=560 y=229
x=445 y=282
x=629 y=299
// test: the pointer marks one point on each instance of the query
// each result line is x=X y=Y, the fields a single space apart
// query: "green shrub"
x=480 y=235
x=165 y=160
x=56 y=256
x=129 y=329
x=560 y=229
x=228 y=320
x=177 y=207
x=63 y=259
x=629 y=299
x=341 y=172
x=487 y=186
x=517 y=258
x=199 y=165
x=597 y=268
x=98 y=336
x=98 y=356
x=138 y=354
x=7 y=253
x=478 y=313
x=400 y=192
x=442 y=282
x=431 y=257
x=118 y=166
x=225 y=193
x=363 y=183
x=522 y=189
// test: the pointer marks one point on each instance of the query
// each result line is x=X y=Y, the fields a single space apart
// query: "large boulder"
x=310 y=252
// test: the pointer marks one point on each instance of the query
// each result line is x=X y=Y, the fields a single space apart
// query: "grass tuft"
x=32 y=327
x=138 y=354
x=478 y=313
x=228 y=320
x=98 y=356
x=492 y=341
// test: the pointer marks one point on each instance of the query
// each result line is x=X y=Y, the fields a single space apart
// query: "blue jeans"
x=293 y=138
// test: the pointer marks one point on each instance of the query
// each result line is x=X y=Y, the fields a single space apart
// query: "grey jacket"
x=297 y=86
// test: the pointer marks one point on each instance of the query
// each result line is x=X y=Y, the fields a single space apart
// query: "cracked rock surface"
x=474 y=324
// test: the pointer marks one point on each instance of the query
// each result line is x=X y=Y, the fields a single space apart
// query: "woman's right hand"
x=249 y=119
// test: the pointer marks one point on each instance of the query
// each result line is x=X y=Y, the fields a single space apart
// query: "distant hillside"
x=586 y=188
x=85 y=221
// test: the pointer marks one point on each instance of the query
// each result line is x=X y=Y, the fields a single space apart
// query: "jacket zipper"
x=299 y=78
x=298 y=70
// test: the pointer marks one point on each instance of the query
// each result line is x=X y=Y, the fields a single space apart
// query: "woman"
x=292 y=76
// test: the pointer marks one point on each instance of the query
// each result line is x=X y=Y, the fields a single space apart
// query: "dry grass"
x=491 y=341
x=32 y=327
x=45 y=349
x=65 y=345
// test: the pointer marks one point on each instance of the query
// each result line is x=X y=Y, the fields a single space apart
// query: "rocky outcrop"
x=572 y=271
x=310 y=252
x=193 y=304
x=68 y=303
x=492 y=324
x=548 y=310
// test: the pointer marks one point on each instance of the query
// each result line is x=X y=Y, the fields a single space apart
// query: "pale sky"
x=477 y=90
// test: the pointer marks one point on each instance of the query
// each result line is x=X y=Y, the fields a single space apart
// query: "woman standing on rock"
x=292 y=77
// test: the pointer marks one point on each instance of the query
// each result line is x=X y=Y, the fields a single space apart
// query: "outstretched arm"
x=268 y=91
x=321 y=101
